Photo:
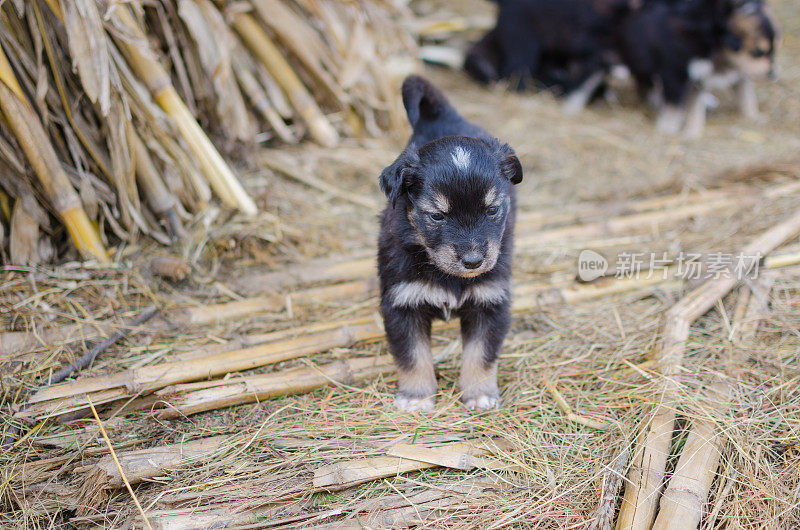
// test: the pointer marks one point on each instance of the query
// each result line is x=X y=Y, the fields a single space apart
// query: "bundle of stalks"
x=646 y=475
x=108 y=111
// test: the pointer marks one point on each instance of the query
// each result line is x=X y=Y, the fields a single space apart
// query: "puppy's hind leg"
x=409 y=335
x=748 y=101
x=482 y=332
x=675 y=83
x=696 y=114
x=578 y=99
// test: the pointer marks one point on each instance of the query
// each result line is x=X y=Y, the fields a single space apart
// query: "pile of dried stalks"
x=108 y=107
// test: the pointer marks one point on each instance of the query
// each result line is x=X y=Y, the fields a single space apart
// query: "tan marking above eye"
x=490 y=197
x=441 y=203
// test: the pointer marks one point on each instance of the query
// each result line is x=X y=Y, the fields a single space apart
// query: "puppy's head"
x=458 y=200
x=750 y=40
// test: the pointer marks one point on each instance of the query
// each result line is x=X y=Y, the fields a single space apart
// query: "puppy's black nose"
x=472 y=260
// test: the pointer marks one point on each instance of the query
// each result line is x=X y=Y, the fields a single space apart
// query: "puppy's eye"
x=493 y=210
x=436 y=216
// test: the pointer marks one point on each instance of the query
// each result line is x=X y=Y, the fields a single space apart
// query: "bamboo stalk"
x=304 y=43
x=183 y=400
x=260 y=100
x=158 y=82
x=443 y=457
x=343 y=475
x=160 y=199
x=33 y=139
x=144 y=464
x=647 y=472
x=684 y=500
x=262 y=47
x=67 y=397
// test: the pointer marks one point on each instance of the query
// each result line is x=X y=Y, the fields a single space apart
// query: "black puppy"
x=564 y=45
x=445 y=247
x=676 y=50
x=662 y=44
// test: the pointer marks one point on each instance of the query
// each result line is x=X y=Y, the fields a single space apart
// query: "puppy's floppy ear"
x=394 y=180
x=509 y=164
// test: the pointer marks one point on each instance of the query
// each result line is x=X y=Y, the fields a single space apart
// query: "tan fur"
x=490 y=197
x=441 y=202
x=478 y=382
x=747 y=27
x=417 y=386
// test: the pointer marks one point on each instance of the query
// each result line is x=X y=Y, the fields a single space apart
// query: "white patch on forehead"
x=461 y=158
x=490 y=197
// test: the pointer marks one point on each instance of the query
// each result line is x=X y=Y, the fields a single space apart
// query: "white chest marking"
x=461 y=158
x=417 y=293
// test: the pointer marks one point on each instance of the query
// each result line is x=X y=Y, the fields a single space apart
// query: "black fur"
x=659 y=41
x=409 y=236
x=555 y=43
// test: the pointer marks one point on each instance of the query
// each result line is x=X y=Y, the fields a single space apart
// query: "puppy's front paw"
x=407 y=403
x=482 y=402
x=670 y=120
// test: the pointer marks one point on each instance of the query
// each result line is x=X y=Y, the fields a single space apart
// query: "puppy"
x=677 y=50
x=746 y=54
x=662 y=43
x=564 y=45
x=445 y=247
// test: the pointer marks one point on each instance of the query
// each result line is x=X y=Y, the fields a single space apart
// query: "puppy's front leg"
x=409 y=335
x=482 y=332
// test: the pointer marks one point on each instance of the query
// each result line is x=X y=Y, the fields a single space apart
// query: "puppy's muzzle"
x=472 y=260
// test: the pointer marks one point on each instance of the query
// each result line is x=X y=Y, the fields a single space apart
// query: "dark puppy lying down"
x=563 y=45
x=445 y=247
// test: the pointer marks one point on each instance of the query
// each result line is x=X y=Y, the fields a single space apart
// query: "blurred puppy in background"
x=675 y=50
x=746 y=55
x=563 y=45
x=445 y=247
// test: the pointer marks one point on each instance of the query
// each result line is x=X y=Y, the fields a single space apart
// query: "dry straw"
x=154 y=83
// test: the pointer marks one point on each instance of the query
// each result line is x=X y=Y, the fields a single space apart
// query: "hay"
x=576 y=350
x=114 y=107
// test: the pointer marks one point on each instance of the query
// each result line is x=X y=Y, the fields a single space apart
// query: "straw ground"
x=315 y=449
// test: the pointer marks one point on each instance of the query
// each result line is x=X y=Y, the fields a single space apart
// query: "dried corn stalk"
x=127 y=96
